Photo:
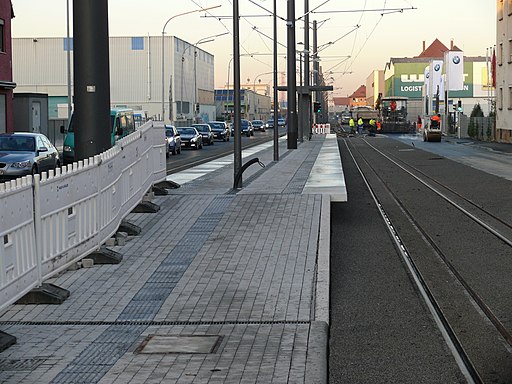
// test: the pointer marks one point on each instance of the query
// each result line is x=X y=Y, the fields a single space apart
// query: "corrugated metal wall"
x=39 y=65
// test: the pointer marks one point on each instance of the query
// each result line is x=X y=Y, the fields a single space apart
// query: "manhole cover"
x=154 y=344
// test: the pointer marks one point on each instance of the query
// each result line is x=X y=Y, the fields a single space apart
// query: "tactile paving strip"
x=97 y=359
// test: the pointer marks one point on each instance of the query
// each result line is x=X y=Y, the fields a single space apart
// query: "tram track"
x=463 y=205
x=489 y=216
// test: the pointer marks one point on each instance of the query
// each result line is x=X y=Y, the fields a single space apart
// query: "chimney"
x=423 y=46
x=451 y=45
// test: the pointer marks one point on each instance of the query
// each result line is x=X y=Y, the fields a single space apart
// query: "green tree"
x=474 y=127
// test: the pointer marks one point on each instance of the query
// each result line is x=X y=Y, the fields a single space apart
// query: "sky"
x=356 y=37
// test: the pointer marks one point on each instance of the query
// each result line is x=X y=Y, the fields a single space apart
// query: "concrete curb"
x=322 y=277
x=316 y=362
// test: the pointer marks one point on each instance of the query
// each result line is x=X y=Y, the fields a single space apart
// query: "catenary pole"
x=276 y=101
x=291 y=78
x=91 y=78
x=236 y=96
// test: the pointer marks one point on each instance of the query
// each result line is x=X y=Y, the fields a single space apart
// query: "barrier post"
x=38 y=227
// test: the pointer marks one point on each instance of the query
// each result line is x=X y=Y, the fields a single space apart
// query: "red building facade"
x=6 y=83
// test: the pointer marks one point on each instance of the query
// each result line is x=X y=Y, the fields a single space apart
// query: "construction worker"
x=352 y=125
x=435 y=121
x=378 y=126
x=360 y=125
x=371 y=131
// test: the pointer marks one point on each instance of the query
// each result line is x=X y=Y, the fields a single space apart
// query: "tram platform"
x=220 y=286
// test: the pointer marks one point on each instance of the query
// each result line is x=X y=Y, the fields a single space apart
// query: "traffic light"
x=317 y=107
x=459 y=105
x=197 y=107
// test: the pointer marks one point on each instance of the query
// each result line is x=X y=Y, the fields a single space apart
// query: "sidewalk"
x=489 y=145
x=221 y=286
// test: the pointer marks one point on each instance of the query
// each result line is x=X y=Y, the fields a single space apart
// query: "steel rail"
x=463 y=361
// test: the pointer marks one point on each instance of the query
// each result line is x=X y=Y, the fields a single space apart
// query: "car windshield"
x=257 y=122
x=217 y=125
x=202 y=128
x=187 y=131
x=245 y=123
x=20 y=143
x=169 y=132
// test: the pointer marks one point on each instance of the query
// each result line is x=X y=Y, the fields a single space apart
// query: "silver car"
x=24 y=153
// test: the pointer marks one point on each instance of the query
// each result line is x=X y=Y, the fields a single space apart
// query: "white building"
x=504 y=72
x=40 y=66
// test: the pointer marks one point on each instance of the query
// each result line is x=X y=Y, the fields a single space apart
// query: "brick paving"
x=241 y=265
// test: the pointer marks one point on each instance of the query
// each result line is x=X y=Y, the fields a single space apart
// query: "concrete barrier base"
x=45 y=294
x=6 y=341
x=105 y=256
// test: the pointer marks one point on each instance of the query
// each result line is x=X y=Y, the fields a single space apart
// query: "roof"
x=436 y=50
x=359 y=93
x=341 y=100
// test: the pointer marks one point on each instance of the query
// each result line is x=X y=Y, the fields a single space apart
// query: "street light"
x=163 y=51
x=256 y=78
x=200 y=41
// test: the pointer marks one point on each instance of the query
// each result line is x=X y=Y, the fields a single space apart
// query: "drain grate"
x=179 y=344
x=20 y=364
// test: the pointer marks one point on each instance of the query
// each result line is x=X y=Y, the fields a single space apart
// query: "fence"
x=321 y=128
x=49 y=222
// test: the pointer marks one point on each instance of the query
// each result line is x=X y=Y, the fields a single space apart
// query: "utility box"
x=31 y=112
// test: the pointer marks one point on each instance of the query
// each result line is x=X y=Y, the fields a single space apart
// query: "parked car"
x=258 y=125
x=206 y=131
x=24 y=153
x=220 y=130
x=190 y=137
x=246 y=128
x=173 y=139
x=281 y=122
x=269 y=123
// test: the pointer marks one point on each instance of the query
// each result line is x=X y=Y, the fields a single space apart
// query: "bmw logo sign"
x=456 y=59
x=437 y=67
x=428 y=75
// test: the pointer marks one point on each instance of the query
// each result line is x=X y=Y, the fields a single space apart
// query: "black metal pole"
x=307 y=82
x=237 y=182
x=276 y=101
x=316 y=69
x=291 y=78
x=91 y=78
x=300 y=103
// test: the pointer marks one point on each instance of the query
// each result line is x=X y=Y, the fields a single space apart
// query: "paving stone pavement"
x=244 y=270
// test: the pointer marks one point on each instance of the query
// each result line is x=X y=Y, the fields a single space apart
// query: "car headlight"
x=67 y=148
x=21 y=164
x=193 y=140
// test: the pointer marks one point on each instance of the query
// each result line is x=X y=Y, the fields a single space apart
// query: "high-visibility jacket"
x=360 y=121
x=352 y=123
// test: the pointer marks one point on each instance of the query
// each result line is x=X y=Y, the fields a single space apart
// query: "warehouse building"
x=180 y=87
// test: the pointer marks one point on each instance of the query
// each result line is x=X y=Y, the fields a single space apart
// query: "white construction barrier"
x=49 y=222
x=321 y=129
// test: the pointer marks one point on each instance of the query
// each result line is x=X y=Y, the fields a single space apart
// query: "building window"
x=500 y=54
x=509 y=5
x=510 y=51
x=500 y=10
x=2 y=35
x=500 y=99
x=509 y=98
x=68 y=44
x=137 y=43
